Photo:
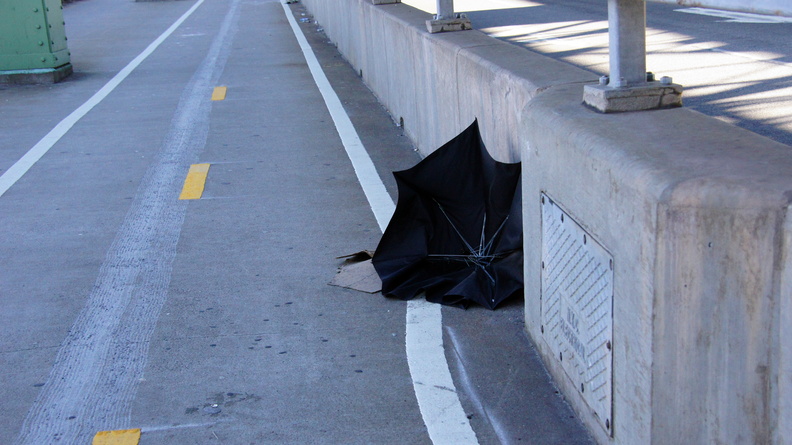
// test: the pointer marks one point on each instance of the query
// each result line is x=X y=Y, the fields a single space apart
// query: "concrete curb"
x=36 y=76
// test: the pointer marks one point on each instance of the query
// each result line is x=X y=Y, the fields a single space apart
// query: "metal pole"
x=446 y=20
x=627 y=88
x=627 y=33
x=445 y=9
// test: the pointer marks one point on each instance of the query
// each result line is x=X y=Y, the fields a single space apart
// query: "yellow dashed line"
x=219 y=93
x=117 y=437
x=195 y=181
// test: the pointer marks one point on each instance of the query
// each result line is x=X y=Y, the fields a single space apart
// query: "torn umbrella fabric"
x=456 y=233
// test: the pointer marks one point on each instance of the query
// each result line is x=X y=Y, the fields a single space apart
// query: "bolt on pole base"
x=648 y=96
x=460 y=23
x=38 y=76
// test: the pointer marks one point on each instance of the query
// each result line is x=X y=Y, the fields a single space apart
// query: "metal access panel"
x=577 y=307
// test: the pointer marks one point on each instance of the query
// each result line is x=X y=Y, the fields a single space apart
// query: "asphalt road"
x=735 y=67
x=211 y=320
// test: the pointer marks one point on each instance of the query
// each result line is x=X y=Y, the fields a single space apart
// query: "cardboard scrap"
x=358 y=273
x=357 y=257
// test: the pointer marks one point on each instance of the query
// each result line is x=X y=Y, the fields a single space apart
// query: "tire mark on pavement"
x=99 y=365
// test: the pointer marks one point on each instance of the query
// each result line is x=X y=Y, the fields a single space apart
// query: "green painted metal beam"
x=32 y=35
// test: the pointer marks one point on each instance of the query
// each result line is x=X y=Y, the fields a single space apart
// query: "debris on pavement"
x=357 y=273
x=457 y=230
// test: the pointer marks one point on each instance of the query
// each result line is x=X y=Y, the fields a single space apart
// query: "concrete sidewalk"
x=211 y=321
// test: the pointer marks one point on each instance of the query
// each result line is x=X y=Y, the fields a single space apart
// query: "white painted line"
x=152 y=429
x=16 y=171
x=442 y=413
x=737 y=17
x=748 y=55
x=378 y=197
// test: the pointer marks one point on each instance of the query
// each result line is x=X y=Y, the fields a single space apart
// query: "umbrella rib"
x=483 y=237
x=465 y=258
x=460 y=256
x=495 y=235
x=469 y=247
x=484 y=269
x=480 y=257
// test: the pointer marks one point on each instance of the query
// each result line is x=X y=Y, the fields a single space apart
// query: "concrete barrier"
x=695 y=215
x=436 y=84
x=682 y=221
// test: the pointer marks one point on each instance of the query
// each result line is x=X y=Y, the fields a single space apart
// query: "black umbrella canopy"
x=457 y=230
